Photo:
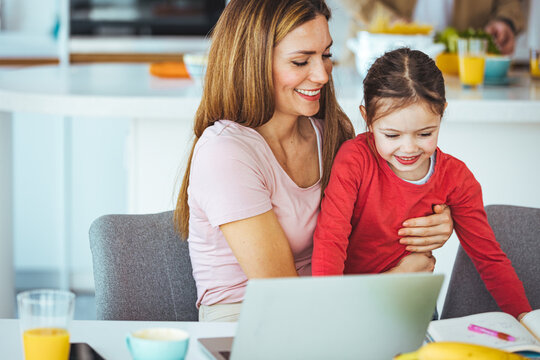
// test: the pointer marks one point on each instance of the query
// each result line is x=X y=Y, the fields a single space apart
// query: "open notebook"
x=526 y=332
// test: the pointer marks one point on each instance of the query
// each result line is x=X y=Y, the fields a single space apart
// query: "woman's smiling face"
x=301 y=66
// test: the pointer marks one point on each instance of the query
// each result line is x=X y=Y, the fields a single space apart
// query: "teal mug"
x=158 y=343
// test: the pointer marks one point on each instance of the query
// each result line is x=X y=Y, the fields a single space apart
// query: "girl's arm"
x=331 y=237
x=260 y=246
x=429 y=232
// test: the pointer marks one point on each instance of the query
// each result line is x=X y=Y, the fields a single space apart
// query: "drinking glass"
x=44 y=319
x=534 y=59
x=472 y=61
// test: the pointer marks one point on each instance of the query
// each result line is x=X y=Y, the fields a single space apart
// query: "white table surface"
x=108 y=337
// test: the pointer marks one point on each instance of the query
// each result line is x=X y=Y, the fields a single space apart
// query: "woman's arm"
x=260 y=246
x=429 y=232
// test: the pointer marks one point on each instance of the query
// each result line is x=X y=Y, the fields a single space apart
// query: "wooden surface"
x=78 y=58
x=81 y=58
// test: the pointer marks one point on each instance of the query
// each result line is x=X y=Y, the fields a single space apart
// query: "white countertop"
x=129 y=90
x=22 y=46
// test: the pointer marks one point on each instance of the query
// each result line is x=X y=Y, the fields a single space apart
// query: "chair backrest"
x=142 y=269
x=517 y=229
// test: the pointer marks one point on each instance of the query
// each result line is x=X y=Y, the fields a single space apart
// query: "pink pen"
x=483 y=330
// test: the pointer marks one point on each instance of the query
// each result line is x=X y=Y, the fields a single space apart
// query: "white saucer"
x=500 y=81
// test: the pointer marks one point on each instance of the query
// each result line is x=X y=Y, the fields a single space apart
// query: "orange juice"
x=46 y=344
x=535 y=67
x=471 y=70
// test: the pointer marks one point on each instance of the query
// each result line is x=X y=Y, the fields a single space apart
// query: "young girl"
x=394 y=172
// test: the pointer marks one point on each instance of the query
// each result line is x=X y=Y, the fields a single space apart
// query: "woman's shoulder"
x=225 y=136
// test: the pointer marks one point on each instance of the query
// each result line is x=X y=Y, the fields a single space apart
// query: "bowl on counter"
x=496 y=68
x=196 y=65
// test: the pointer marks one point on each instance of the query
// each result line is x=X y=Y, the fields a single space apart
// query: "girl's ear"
x=364 y=116
x=363 y=112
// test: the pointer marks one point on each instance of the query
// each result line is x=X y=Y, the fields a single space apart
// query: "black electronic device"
x=83 y=351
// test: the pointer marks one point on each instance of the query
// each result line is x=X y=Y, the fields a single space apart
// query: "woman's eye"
x=426 y=134
x=327 y=56
x=300 y=63
x=391 y=136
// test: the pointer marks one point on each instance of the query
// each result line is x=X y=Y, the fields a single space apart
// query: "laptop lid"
x=345 y=317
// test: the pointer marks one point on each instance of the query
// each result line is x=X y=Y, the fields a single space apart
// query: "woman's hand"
x=502 y=35
x=429 y=232
x=415 y=262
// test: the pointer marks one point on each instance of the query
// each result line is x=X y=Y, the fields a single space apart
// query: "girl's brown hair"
x=403 y=76
x=239 y=76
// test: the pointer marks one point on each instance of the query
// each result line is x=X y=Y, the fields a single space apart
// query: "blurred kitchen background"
x=51 y=249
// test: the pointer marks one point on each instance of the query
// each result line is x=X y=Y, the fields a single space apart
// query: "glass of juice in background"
x=44 y=320
x=535 y=63
x=472 y=61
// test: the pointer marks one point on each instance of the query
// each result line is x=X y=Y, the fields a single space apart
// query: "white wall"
x=67 y=172
x=30 y=16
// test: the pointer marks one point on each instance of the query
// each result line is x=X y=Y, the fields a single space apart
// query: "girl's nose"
x=409 y=146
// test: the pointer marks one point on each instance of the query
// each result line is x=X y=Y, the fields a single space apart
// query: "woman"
x=266 y=133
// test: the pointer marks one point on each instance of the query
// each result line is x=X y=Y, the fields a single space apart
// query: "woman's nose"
x=319 y=73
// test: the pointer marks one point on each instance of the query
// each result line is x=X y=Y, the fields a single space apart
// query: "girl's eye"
x=327 y=56
x=391 y=136
x=299 y=63
x=426 y=134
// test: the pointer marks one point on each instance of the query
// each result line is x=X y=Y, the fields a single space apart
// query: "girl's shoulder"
x=357 y=150
x=453 y=168
x=359 y=144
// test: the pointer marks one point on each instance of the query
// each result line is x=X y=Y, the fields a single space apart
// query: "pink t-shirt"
x=234 y=176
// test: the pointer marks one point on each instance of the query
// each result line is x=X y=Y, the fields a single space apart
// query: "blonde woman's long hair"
x=238 y=84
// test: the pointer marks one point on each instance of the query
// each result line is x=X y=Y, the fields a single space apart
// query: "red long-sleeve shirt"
x=365 y=204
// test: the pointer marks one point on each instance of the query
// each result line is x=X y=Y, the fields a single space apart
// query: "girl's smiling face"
x=406 y=138
x=301 y=66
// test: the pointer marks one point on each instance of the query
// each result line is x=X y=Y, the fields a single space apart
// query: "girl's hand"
x=429 y=232
x=415 y=262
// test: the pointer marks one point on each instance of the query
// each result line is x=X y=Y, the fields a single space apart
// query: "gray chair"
x=142 y=269
x=518 y=231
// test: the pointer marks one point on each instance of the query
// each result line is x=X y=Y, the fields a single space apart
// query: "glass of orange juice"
x=44 y=318
x=535 y=63
x=472 y=61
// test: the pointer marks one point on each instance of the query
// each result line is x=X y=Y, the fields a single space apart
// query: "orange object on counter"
x=169 y=70
x=447 y=63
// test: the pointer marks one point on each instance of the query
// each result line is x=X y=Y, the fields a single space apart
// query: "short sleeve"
x=227 y=181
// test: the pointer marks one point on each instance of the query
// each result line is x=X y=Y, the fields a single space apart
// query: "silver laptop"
x=337 y=317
